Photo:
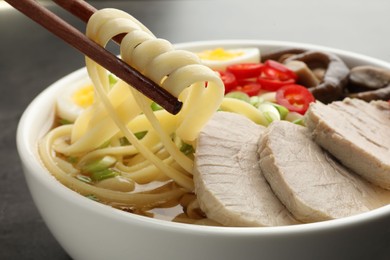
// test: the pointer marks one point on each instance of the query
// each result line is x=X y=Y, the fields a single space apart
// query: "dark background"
x=31 y=59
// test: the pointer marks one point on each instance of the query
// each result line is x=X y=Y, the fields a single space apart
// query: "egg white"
x=66 y=108
x=249 y=55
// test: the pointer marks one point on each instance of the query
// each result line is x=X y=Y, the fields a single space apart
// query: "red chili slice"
x=229 y=80
x=276 y=70
x=295 y=98
x=275 y=75
x=245 y=70
x=273 y=84
x=251 y=89
x=242 y=82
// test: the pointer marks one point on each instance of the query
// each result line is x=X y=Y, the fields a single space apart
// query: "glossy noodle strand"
x=155 y=163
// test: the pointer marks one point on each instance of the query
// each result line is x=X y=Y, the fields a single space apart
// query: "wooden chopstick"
x=79 y=8
x=78 y=40
x=84 y=11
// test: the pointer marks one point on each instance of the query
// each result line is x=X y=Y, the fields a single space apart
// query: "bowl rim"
x=27 y=154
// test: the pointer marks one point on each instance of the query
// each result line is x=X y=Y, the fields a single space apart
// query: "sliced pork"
x=309 y=182
x=357 y=133
x=228 y=182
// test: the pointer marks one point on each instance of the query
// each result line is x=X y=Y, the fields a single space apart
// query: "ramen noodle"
x=118 y=150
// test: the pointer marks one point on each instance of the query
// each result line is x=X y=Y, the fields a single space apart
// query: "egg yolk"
x=219 y=54
x=84 y=96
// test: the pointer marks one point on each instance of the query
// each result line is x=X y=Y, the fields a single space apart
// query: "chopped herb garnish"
x=299 y=121
x=186 y=149
x=123 y=141
x=283 y=111
x=238 y=95
x=99 y=165
x=140 y=135
x=255 y=101
x=155 y=106
x=270 y=112
x=104 y=174
x=112 y=79
x=63 y=121
x=92 y=197
x=83 y=178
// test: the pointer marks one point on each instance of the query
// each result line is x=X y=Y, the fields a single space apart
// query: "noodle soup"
x=70 y=215
x=113 y=145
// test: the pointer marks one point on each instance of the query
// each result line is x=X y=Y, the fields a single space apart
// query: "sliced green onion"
x=255 y=101
x=186 y=149
x=112 y=79
x=299 y=121
x=92 y=197
x=123 y=141
x=140 y=135
x=99 y=165
x=238 y=95
x=63 y=121
x=104 y=174
x=269 y=97
x=283 y=111
x=155 y=106
x=295 y=118
x=83 y=178
x=270 y=112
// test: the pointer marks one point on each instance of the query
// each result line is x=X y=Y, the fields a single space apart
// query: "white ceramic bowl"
x=90 y=230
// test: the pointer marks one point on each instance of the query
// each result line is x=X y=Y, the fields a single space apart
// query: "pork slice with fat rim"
x=228 y=181
x=357 y=133
x=309 y=181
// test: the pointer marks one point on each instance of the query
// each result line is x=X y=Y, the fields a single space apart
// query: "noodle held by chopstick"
x=119 y=111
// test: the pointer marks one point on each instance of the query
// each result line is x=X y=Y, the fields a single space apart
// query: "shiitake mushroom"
x=334 y=79
x=369 y=83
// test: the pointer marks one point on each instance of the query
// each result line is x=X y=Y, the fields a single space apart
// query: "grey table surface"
x=31 y=59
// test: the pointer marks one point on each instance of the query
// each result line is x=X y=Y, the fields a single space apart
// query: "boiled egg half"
x=74 y=100
x=220 y=58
